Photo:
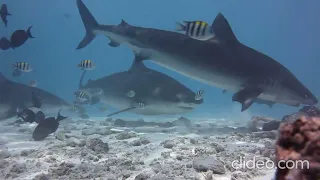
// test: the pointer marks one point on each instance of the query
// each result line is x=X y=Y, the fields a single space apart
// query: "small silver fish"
x=87 y=65
x=131 y=93
x=199 y=30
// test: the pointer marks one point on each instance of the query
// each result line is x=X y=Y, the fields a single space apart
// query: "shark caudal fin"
x=89 y=23
x=223 y=30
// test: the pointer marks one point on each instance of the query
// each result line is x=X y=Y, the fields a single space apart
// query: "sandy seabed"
x=98 y=149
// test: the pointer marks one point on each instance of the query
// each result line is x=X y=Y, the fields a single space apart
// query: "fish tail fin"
x=180 y=27
x=223 y=31
x=29 y=32
x=60 y=117
x=89 y=22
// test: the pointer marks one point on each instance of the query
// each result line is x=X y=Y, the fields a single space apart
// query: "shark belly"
x=197 y=72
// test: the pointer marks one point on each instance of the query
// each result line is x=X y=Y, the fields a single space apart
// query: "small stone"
x=125 y=135
x=4 y=154
x=168 y=144
x=97 y=145
x=209 y=163
x=41 y=176
x=27 y=152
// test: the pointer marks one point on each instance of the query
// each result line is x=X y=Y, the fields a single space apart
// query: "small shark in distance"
x=15 y=96
x=223 y=61
x=143 y=91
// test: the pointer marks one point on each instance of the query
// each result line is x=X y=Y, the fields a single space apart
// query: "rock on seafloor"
x=86 y=149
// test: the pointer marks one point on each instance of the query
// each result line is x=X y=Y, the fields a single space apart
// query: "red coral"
x=299 y=140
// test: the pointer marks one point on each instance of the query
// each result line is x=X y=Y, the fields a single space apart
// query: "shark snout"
x=310 y=100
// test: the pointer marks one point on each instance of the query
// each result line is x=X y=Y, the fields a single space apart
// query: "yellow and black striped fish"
x=87 y=65
x=199 y=30
x=22 y=66
x=81 y=96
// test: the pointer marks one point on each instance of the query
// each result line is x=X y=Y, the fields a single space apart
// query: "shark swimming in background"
x=14 y=96
x=143 y=91
x=222 y=61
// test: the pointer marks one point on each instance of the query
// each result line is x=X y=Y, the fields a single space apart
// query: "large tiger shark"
x=15 y=96
x=143 y=91
x=223 y=61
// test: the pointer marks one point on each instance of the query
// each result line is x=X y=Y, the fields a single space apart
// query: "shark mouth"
x=186 y=107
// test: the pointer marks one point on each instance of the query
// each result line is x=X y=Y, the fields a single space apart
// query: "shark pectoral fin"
x=95 y=100
x=123 y=110
x=246 y=97
x=224 y=91
x=35 y=101
x=113 y=44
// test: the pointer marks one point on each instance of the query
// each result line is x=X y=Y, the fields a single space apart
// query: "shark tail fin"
x=89 y=23
x=180 y=27
x=223 y=31
x=29 y=32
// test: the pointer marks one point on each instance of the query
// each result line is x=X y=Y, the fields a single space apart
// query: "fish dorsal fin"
x=2 y=78
x=123 y=23
x=223 y=31
x=138 y=66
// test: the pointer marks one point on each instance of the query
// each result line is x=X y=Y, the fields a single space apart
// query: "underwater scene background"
x=287 y=31
x=284 y=30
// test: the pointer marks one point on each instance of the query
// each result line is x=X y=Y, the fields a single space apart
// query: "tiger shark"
x=143 y=91
x=14 y=96
x=222 y=61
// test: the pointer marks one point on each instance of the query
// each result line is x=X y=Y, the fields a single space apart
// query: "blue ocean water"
x=286 y=30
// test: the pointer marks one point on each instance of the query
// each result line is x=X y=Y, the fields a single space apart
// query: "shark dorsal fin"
x=222 y=30
x=90 y=81
x=123 y=23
